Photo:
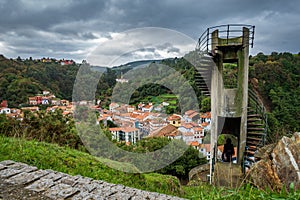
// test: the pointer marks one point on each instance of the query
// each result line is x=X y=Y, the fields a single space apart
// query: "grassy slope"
x=63 y=159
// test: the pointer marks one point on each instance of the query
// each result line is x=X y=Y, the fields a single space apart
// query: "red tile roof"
x=205 y=146
x=124 y=129
x=174 y=117
x=194 y=143
x=204 y=124
x=199 y=129
x=188 y=134
x=168 y=130
x=189 y=112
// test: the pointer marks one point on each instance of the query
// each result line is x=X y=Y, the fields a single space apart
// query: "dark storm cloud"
x=72 y=28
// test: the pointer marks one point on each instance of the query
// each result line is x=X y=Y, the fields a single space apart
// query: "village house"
x=5 y=111
x=15 y=113
x=36 y=100
x=188 y=137
x=174 y=120
x=191 y=116
x=205 y=117
x=195 y=144
x=46 y=93
x=205 y=126
x=140 y=106
x=168 y=131
x=186 y=127
x=147 y=108
x=31 y=109
x=55 y=101
x=66 y=62
x=113 y=106
x=205 y=150
x=158 y=108
x=129 y=135
x=198 y=134
x=45 y=100
x=156 y=123
x=4 y=104
x=64 y=102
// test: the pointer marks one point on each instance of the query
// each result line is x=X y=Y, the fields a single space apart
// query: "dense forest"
x=275 y=77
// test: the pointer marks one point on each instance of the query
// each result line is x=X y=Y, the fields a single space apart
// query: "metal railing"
x=226 y=32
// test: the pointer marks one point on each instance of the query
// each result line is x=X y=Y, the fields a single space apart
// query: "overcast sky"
x=72 y=29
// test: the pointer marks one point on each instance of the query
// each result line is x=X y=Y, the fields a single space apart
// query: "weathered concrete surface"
x=279 y=165
x=228 y=175
x=20 y=181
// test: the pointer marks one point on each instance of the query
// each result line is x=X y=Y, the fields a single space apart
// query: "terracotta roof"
x=206 y=115
x=113 y=104
x=194 y=143
x=168 y=130
x=193 y=114
x=193 y=124
x=187 y=125
x=129 y=129
x=189 y=112
x=204 y=124
x=106 y=115
x=188 y=134
x=115 y=129
x=124 y=129
x=133 y=115
x=206 y=146
x=142 y=116
x=199 y=129
x=148 y=106
x=174 y=117
x=125 y=114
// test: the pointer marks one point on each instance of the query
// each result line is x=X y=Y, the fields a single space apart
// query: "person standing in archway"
x=228 y=151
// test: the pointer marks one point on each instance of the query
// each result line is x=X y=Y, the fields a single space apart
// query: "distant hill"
x=23 y=78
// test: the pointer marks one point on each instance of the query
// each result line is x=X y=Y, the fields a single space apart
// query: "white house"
x=130 y=135
x=113 y=106
x=147 y=108
x=205 y=117
x=205 y=150
x=191 y=115
x=5 y=111
x=188 y=137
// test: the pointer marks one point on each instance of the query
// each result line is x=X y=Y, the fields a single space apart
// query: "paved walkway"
x=21 y=181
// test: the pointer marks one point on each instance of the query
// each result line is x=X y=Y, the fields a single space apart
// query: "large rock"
x=279 y=165
x=199 y=173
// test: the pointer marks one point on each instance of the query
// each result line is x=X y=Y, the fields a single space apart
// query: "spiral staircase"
x=257 y=126
x=203 y=73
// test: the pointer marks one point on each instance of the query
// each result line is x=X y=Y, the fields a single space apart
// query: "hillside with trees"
x=20 y=79
x=275 y=77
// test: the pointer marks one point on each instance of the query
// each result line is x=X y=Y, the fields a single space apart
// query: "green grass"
x=248 y=192
x=63 y=159
x=167 y=96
